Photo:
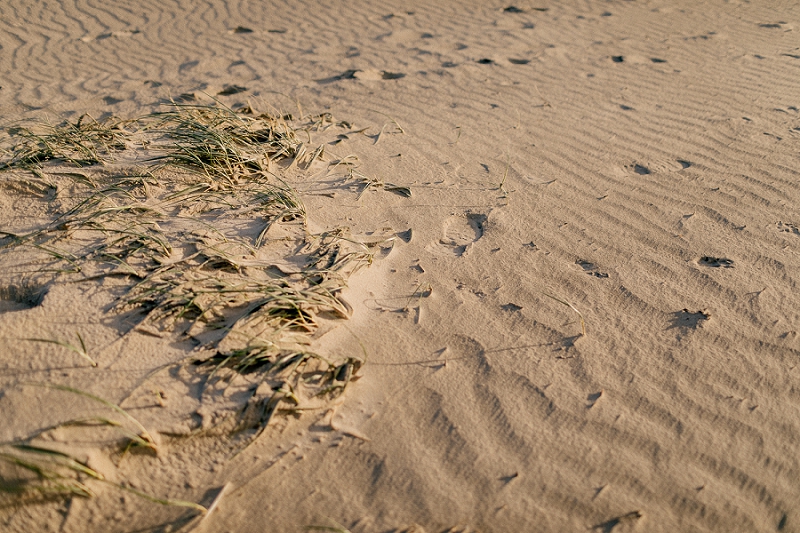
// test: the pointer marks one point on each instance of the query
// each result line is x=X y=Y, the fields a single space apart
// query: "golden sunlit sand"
x=400 y=267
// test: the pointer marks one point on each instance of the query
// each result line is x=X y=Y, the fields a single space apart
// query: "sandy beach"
x=547 y=256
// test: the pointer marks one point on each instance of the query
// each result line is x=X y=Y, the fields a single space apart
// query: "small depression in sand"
x=460 y=231
x=657 y=166
x=20 y=297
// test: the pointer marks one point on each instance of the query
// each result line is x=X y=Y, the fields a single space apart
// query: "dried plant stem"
x=559 y=300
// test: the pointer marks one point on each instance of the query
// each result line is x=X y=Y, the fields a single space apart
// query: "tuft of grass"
x=220 y=143
x=192 y=208
x=53 y=472
x=84 y=142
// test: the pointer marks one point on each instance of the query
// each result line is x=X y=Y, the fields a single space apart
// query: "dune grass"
x=80 y=350
x=51 y=473
x=32 y=466
x=191 y=206
x=84 y=142
x=55 y=472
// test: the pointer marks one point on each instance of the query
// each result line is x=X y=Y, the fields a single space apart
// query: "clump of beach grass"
x=191 y=206
x=55 y=472
x=84 y=142
x=220 y=143
x=33 y=467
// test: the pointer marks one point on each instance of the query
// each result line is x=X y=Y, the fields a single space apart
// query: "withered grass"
x=191 y=209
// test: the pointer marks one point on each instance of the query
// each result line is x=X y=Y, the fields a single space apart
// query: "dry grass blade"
x=71 y=347
x=559 y=300
x=501 y=187
x=65 y=459
x=161 y=501
x=145 y=439
x=397 y=124
x=366 y=183
x=335 y=528
x=55 y=471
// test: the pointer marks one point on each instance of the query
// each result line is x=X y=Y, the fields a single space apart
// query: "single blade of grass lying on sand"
x=161 y=501
x=69 y=346
x=580 y=315
x=143 y=438
x=334 y=528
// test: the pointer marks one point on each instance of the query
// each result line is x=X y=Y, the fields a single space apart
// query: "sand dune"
x=635 y=161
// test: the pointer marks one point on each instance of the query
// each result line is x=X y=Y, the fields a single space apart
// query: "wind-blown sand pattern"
x=629 y=165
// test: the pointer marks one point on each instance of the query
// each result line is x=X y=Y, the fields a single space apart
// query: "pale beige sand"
x=637 y=138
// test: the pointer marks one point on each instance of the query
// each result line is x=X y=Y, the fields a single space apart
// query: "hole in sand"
x=715 y=262
x=20 y=297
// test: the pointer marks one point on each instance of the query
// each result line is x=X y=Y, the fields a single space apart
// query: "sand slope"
x=648 y=158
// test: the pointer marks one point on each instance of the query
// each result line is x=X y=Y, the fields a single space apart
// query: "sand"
x=630 y=164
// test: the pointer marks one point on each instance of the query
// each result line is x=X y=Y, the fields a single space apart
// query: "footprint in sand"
x=685 y=319
x=591 y=269
x=461 y=231
x=228 y=90
x=643 y=168
x=715 y=262
x=788 y=227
